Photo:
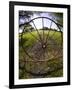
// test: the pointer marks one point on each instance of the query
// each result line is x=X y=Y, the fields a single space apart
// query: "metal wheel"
x=46 y=46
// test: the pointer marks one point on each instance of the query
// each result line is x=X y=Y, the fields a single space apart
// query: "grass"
x=29 y=39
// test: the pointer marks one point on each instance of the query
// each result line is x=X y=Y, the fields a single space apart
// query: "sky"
x=38 y=22
x=47 y=23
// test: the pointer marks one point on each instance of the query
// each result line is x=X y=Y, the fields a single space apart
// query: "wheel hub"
x=43 y=46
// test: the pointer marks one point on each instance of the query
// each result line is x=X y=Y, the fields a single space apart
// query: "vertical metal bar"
x=37 y=31
x=48 y=32
x=43 y=28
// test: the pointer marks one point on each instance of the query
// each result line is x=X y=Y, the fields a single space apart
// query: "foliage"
x=58 y=17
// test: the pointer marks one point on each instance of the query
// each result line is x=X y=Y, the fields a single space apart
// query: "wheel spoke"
x=48 y=32
x=34 y=36
x=51 y=35
x=43 y=54
x=43 y=28
x=54 y=40
x=37 y=31
x=56 y=52
x=23 y=46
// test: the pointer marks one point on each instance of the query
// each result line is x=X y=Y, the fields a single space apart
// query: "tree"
x=28 y=27
x=25 y=15
x=58 y=17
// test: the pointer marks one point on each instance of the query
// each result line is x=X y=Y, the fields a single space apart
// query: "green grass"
x=29 y=40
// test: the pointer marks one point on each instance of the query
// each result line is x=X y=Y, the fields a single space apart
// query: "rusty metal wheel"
x=47 y=46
